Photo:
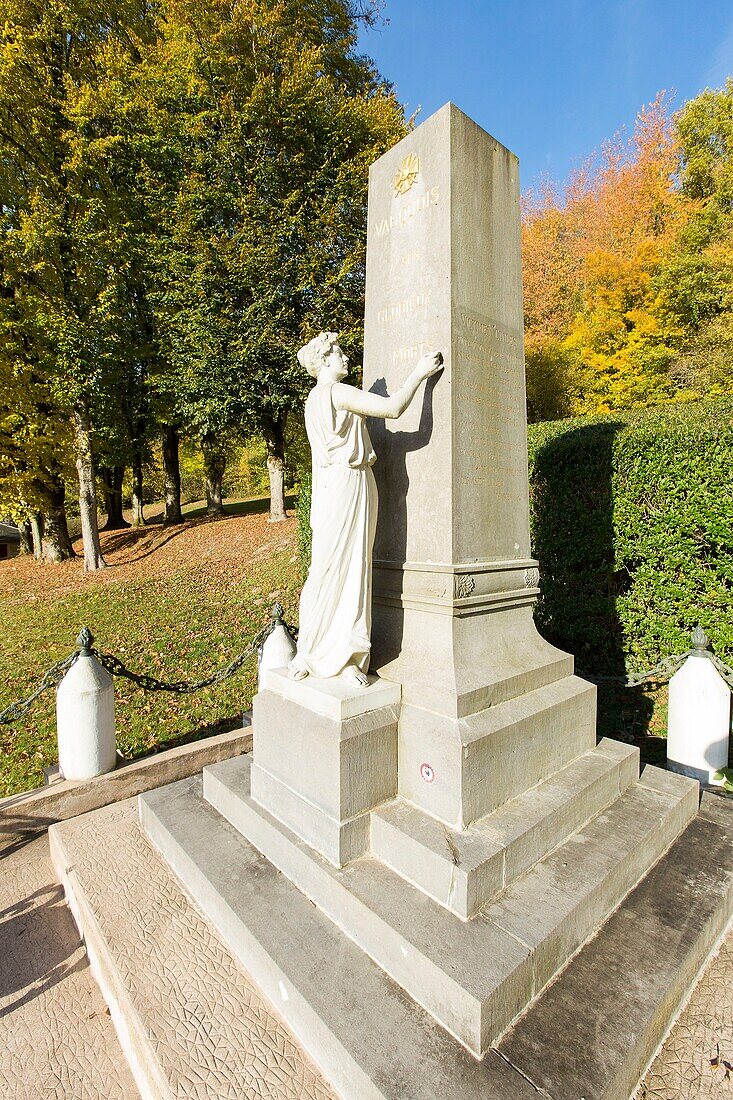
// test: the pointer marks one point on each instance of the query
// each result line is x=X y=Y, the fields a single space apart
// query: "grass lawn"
x=180 y=602
x=177 y=602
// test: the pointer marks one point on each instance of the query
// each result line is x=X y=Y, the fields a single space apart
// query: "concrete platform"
x=474 y=977
x=57 y=1041
x=611 y=1006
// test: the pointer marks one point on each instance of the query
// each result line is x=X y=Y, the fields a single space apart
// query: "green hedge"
x=632 y=523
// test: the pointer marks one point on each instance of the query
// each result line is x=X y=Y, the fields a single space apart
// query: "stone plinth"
x=454 y=579
x=325 y=754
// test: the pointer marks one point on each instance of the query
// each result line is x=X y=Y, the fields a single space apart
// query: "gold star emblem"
x=406 y=175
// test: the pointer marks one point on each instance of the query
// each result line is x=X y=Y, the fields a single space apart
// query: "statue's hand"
x=429 y=364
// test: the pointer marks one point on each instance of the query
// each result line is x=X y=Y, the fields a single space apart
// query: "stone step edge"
x=466 y=894
x=134 y=1040
x=394 y=1052
x=446 y=998
x=707 y=909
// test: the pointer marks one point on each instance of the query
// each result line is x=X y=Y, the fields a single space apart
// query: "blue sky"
x=551 y=79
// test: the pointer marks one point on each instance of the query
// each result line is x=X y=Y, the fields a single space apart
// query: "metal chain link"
x=116 y=667
x=179 y=687
x=725 y=670
x=187 y=687
x=666 y=668
x=660 y=673
x=50 y=679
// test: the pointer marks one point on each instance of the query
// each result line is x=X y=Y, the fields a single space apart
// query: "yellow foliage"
x=591 y=264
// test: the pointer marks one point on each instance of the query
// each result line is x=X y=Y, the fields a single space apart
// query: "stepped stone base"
x=195 y=1025
x=476 y=976
x=463 y=870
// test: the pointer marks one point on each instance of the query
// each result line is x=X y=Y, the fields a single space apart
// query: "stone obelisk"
x=454 y=581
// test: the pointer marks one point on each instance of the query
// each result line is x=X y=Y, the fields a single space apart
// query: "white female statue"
x=336 y=602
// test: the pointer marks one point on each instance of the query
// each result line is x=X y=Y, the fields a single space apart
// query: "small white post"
x=277 y=650
x=698 y=724
x=85 y=716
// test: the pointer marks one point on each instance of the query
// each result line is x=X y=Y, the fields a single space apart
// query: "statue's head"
x=315 y=353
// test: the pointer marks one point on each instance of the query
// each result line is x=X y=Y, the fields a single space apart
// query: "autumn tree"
x=597 y=335
x=268 y=228
x=70 y=210
x=696 y=286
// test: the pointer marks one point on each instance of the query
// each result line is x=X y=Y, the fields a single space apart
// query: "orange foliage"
x=589 y=267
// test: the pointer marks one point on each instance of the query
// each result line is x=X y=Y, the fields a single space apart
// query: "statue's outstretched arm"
x=386 y=408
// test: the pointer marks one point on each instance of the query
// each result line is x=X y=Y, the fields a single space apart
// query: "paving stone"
x=56 y=1035
x=376 y=1042
x=210 y=1030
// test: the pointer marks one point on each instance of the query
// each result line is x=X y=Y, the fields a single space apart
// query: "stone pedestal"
x=454 y=580
x=85 y=720
x=698 y=726
x=325 y=755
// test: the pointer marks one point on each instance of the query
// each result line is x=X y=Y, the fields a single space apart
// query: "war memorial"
x=440 y=882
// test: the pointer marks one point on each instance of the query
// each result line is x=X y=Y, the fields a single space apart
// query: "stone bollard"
x=278 y=648
x=698 y=724
x=85 y=716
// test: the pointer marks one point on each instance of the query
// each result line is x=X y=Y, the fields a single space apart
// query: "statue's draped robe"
x=336 y=602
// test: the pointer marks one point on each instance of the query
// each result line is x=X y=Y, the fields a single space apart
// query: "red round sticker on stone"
x=427 y=773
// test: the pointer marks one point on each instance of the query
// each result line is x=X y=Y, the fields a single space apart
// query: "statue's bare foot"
x=297 y=669
x=355 y=676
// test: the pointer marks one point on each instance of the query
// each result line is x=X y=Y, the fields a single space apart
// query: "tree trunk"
x=275 y=439
x=112 y=478
x=56 y=541
x=215 y=463
x=36 y=522
x=93 y=559
x=26 y=537
x=172 y=472
x=138 y=518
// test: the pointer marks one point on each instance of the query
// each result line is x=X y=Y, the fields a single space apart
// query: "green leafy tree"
x=70 y=221
x=268 y=228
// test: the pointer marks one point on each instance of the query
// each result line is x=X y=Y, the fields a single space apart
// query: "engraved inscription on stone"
x=411 y=352
x=429 y=198
x=407 y=305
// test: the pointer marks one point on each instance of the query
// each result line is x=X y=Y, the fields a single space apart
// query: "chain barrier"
x=725 y=670
x=113 y=665
x=666 y=668
x=660 y=673
x=51 y=678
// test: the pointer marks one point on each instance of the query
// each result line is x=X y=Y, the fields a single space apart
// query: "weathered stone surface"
x=464 y=870
x=485 y=759
x=616 y=999
x=599 y=1022
x=57 y=1040
x=212 y=1033
x=692 y=1062
x=321 y=775
x=192 y=1023
x=475 y=976
x=454 y=580
x=335 y=697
